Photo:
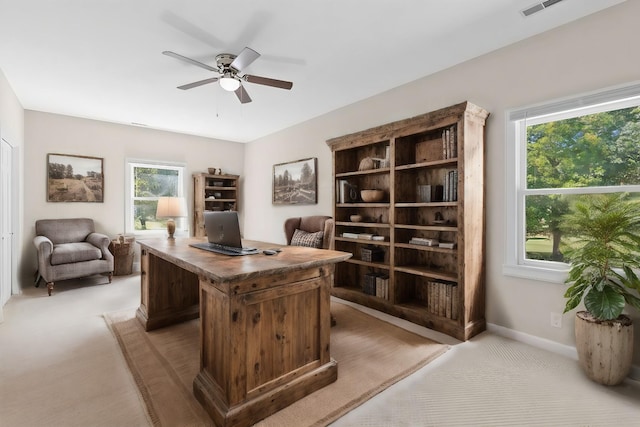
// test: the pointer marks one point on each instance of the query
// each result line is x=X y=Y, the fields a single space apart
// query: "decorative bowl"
x=355 y=218
x=372 y=195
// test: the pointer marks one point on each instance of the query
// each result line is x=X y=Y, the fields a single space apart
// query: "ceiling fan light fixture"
x=228 y=83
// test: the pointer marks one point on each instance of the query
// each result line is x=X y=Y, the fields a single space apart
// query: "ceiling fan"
x=228 y=67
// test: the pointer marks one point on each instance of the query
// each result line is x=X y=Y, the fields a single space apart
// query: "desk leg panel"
x=263 y=350
x=169 y=294
x=250 y=412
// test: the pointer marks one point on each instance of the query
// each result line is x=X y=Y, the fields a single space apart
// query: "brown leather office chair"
x=310 y=224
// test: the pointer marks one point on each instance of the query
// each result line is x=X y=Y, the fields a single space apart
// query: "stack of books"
x=443 y=299
x=363 y=236
x=449 y=143
x=423 y=241
x=450 y=187
x=372 y=254
x=429 y=193
x=376 y=284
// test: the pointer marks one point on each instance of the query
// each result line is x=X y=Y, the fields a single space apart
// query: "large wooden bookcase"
x=431 y=168
x=212 y=193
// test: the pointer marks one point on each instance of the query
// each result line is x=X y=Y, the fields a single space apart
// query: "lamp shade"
x=171 y=207
x=228 y=83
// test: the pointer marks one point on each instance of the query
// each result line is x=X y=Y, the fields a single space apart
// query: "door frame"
x=7 y=206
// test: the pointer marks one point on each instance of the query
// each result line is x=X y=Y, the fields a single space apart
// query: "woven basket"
x=122 y=249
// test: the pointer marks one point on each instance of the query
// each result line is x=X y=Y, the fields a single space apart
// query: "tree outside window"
x=570 y=158
x=149 y=182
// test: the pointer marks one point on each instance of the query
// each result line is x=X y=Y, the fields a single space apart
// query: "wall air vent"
x=538 y=7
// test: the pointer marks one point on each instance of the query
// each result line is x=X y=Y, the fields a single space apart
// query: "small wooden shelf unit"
x=212 y=193
x=431 y=168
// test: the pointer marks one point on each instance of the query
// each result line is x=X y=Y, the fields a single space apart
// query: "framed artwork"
x=295 y=183
x=74 y=178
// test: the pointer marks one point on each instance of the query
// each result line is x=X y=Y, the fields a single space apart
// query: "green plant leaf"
x=605 y=304
x=632 y=300
x=575 y=272
x=632 y=280
x=572 y=303
x=577 y=287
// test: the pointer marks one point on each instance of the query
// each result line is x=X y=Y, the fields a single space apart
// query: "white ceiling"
x=101 y=59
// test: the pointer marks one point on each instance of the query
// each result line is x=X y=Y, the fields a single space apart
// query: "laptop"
x=223 y=233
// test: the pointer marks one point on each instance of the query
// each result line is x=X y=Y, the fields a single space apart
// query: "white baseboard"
x=552 y=346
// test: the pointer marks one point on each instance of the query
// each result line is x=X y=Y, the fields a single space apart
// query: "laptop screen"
x=223 y=228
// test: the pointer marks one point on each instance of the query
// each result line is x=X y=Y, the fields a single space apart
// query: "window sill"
x=535 y=273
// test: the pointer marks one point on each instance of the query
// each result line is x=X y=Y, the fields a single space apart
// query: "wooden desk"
x=264 y=321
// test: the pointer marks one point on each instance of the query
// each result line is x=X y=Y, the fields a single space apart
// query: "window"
x=557 y=153
x=146 y=183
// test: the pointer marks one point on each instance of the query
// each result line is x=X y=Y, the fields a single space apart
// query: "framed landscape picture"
x=295 y=183
x=74 y=178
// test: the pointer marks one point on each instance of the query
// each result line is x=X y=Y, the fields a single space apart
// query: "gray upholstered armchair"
x=70 y=248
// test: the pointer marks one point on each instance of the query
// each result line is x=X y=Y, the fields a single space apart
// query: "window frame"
x=517 y=120
x=182 y=224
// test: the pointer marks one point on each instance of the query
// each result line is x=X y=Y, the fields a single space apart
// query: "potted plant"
x=603 y=258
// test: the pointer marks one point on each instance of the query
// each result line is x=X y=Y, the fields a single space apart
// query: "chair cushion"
x=66 y=253
x=304 y=238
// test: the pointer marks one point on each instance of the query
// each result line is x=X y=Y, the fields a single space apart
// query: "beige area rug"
x=371 y=355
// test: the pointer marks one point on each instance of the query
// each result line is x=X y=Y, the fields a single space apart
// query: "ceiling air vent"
x=538 y=7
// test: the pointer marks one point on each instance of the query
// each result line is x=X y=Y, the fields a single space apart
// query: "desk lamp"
x=170 y=208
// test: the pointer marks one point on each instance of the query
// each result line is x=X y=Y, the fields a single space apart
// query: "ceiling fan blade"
x=246 y=57
x=198 y=83
x=189 y=60
x=268 y=82
x=242 y=95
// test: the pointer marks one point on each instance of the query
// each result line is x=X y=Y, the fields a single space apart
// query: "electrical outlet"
x=556 y=320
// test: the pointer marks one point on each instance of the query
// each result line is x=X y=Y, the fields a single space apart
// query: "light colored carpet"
x=371 y=355
x=59 y=363
x=61 y=366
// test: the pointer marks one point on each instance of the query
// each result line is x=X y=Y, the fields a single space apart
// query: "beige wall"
x=11 y=114
x=592 y=53
x=51 y=133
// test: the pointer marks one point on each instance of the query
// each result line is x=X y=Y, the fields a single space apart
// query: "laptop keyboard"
x=230 y=248
x=225 y=250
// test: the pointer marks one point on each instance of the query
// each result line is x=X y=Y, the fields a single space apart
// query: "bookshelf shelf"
x=434 y=192
x=369 y=264
x=212 y=193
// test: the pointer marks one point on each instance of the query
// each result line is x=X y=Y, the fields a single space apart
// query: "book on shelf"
x=369 y=284
x=442 y=298
x=362 y=236
x=449 y=143
x=372 y=254
x=422 y=241
x=447 y=245
x=376 y=284
x=424 y=193
x=450 y=186
x=342 y=191
x=382 y=286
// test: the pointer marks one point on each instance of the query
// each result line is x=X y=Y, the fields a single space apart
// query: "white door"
x=6 y=235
